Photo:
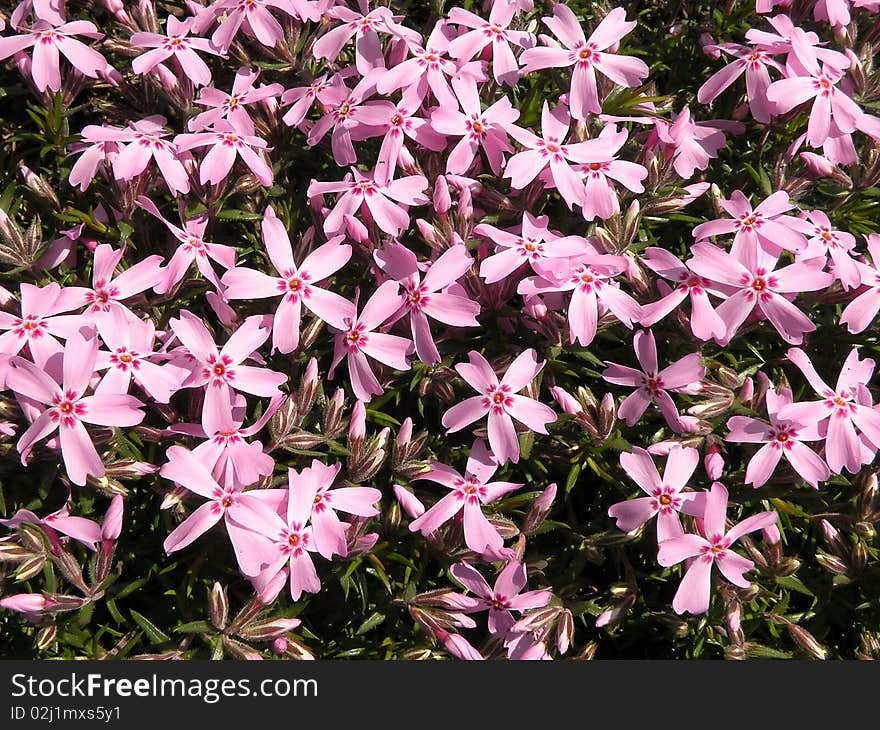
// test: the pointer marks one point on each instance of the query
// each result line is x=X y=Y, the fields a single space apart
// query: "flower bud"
x=806 y=641
x=566 y=401
x=713 y=462
x=46 y=636
x=409 y=502
x=273 y=628
x=539 y=509
x=112 y=526
x=442 y=198
x=218 y=606
x=357 y=425
x=331 y=422
x=25 y=603
x=308 y=388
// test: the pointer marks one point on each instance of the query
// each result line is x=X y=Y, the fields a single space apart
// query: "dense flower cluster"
x=460 y=238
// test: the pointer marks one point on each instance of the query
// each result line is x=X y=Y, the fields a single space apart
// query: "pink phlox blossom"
x=840 y=413
x=297 y=285
x=144 y=141
x=192 y=247
x=237 y=508
x=365 y=29
x=227 y=452
x=176 y=43
x=68 y=407
x=780 y=438
x=502 y=598
x=824 y=241
x=48 y=42
x=232 y=106
x=252 y=16
x=692 y=144
x=704 y=320
x=358 y=339
x=109 y=290
x=478 y=128
x=348 y=116
x=493 y=31
x=600 y=168
x=758 y=285
x=99 y=147
x=590 y=278
x=37 y=326
x=710 y=547
x=830 y=103
x=666 y=496
x=399 y=121
x=364 y=191
x=766 y=224
x=129 y=356
x=804 y=50
x=551 y=158
x=226 y=142
x=754 y=61
x=52 y=11
x=861 y=311
x=428 y=65
x=469 y=493
x=301 y=99
x=430 y=296
x=221 y=370
x=531 y=241
x=59 y=522
x=587 y=55
x=500 y=402
x=328 y=531
x=652 y=384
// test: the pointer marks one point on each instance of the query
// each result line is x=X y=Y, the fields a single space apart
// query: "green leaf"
x=153 y=632
x=372 y=621
x=794 y=583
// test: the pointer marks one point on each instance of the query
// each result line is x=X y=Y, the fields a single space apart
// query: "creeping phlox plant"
x=513 y=329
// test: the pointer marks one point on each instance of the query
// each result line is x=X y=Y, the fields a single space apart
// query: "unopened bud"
x=268 y=629
x=46 y=636
x=806 y=641
x=36 y=183
x=332 y=422
x=442 y=198
x=218 y=606
x=308 y=388
x=539 y=509
x=607 y=415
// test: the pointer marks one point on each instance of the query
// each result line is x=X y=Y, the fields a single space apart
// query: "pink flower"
x=651 y=386
x=232 y=106
x=599 y=197
x=862 y=310
x=839 y=412
x=364 y=190
x=399 y=121
x=829 y=102
x=296 y=284
x=328 y=532
x=350 y=118
x=253 y=16
x=477 y=128
x=754 y=62
x=500 y=402
x=37 y=326
x=766 y=224
x=221 y=371
x=587 y=56
x=502 y=598
x=428 y=65
x=530 y=242
x=589 y=277
x=128 y=356
x=68 y=408
x=177 y=45
x=109 y=290
x=666 y=498
x=692 y=143
x=358 y=339
x=301 y=99
x=826 y=241
x=780 y=438
x=469 y=493
x=431 y=296
x=227 y=142
x=145 y=141
x=48 y=42
x=496 y=32
x=228 y=503
x=365 y=30
x=712 y=547
x=193 y=247
x=705 y=322
x=87 y=532
x=758 y=286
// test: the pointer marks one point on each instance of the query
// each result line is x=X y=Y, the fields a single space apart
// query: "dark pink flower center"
x=498 y=398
